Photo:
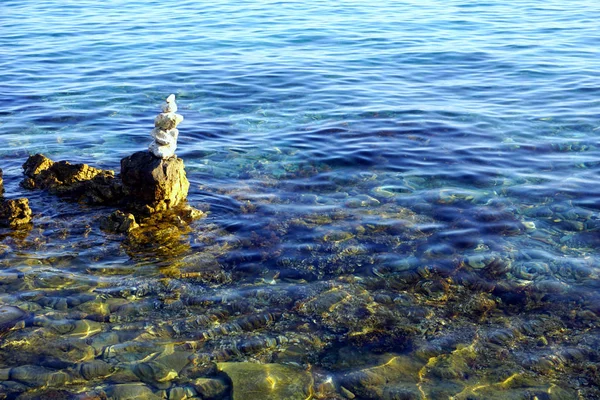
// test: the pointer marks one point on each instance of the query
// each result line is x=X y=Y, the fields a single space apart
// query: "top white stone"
x=170 y=106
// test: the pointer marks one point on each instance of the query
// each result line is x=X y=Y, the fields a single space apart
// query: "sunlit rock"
x=1 y=184
x=268 y=381
x=165 y=132
x=80 y=181
x=14 y=213
x=154 y=184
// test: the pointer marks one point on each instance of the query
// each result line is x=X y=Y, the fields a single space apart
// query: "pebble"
x=10 y=316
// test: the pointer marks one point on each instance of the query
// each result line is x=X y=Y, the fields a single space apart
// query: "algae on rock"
x=268 y=381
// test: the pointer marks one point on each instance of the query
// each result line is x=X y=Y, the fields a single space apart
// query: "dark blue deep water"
x=402 y=200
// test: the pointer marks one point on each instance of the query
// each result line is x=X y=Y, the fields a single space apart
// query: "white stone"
x=167 y=121
x=165 y=137
x=161 y=151
x=170 y=105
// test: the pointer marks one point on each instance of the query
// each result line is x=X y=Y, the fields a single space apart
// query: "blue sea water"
x=329 y=142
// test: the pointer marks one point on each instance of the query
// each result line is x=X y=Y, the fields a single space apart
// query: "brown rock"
x=14 y=213
x=84 y=183
x=1 y=184
x=154 y=184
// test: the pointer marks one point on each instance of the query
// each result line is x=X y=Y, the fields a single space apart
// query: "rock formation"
x=154 y=184
x=150 y=182
x=80 y=181
x=165 y=130
x=13 y=213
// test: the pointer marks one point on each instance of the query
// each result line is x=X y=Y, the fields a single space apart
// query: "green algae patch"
x=268 y=381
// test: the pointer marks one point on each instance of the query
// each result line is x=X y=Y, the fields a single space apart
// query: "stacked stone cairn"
x=165 y=131
x=13 y=213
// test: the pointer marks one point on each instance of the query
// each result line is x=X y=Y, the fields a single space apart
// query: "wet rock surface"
x=154 y=184
x=14 y=213
x=1 y=184
x=79 y=181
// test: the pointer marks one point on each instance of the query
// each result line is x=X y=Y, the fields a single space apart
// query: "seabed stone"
x=268 y=381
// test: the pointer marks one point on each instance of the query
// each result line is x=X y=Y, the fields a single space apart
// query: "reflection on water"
x=400 y=198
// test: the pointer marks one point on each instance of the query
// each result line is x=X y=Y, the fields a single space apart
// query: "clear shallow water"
x=400 y=190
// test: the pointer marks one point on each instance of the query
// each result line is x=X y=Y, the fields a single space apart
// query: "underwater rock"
x=517 y=386
x=210 y=388
x=14 y=213
x=80 y=181
x=1 y=184
x=182 y=393
x=10 y=316
x=95 y=369
x=47 y=394
x=154 y=184
x=118 y=222
x=399 y=375
x=267 y=381
x=165 y=132
x=33 y=375
x=128 y=391
x=155 y=373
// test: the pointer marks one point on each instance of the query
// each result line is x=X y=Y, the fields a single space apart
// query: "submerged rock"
x=14 y=213
x=267 y=381
x=209 y=388
x=36 y=376
x=130 y=391
x=10 y=316
x=118 y=222
x=80 y=181
x=396 y=379
x=154 y=184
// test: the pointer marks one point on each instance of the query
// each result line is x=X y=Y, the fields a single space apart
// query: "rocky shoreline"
x=150 y=183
